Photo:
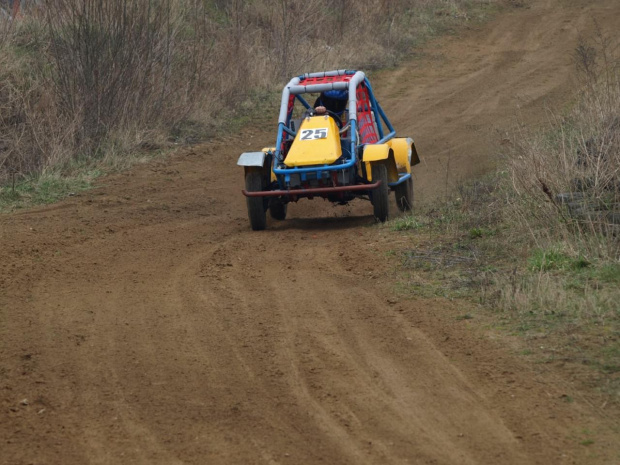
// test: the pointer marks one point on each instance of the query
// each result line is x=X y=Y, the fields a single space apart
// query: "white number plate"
x=312 y=134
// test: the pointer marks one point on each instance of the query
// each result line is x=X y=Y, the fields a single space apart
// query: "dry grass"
x=84 y=78
x=565 y=182
x=563 y=195
x=98 y=79
x=537 y=244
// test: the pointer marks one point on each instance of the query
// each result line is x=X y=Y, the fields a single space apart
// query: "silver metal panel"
x=286 y=93
x=251 y=159
x=300 y=89
x=336 y=72
x=353 y=83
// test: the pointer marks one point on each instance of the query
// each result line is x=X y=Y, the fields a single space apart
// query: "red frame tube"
x=311 y=191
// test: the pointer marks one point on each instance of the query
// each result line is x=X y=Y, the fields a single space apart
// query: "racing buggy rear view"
x=340 y=148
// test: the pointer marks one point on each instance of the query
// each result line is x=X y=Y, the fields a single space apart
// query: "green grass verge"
x=564 y=307
x=44 y=189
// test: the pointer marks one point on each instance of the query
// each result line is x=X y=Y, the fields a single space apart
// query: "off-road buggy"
x=324 y=152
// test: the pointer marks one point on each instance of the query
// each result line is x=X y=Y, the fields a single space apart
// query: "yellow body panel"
x=401 y=147
x=380 y=153
x=317 y=143
x=376 y=152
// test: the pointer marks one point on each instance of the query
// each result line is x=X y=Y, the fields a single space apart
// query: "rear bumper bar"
x=311 y=191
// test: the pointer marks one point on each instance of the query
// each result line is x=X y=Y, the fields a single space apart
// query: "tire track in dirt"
x=465 y=99
x=342 y=372
x=144 y=323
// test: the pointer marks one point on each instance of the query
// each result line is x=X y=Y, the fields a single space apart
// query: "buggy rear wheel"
x=256 y=205
x=404 y=195
x=277 y=209
x=380 y=195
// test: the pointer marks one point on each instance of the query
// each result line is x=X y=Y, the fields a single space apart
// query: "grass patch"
x=537 y=244
x=564 y=305
x=44 y=189
x=475 y=233
x=405 y=223
x=555 y=259
x=609 y=273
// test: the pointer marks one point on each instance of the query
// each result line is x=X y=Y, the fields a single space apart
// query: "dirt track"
x=142 y=322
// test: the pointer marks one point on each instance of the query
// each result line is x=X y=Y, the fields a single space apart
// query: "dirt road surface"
x=143 y=322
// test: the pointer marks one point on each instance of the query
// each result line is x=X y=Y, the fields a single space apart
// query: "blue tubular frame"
x=295 y=170
x=303 y=101
x=289 y=131
x=388 y=124
x=403 y=177
x=379 y=111
x=283 y=128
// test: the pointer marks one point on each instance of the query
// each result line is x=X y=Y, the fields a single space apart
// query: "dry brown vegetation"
x=538 y=243
x=566 y=181
x=90 y=79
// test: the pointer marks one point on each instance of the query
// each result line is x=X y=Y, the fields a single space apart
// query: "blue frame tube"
x=378 y=110
x=384 y=117
x=281 y=127
x=402 y=179
x=289 y=131
x=386 y=138
x=388 y=124
x=296 y=87
x=315 y=169
x=303 y=101
x=353 y=137
x=375 y=105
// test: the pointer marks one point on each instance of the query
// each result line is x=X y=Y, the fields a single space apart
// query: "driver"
x=334 y=101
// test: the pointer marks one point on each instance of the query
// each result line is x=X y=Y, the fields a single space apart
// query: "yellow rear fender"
x=401 y=150
x=380 y=153
x=404 y=151
x=376 y=152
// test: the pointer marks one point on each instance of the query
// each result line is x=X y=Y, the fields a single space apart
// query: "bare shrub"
x=123 y=64
x=93 y=79
x=567 y=181
x=84 y=76
x=30 y=135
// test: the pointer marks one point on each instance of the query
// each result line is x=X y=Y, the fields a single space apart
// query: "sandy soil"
x=143 y=322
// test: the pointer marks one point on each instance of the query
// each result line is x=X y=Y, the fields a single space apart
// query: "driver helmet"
x=337 y=94
x=335 y=100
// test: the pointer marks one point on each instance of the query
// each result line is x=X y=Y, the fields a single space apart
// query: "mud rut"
x=142 y=322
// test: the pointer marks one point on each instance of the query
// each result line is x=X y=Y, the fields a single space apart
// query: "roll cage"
x=362 y=107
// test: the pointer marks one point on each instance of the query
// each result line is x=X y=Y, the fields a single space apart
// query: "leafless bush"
x=24 y=109
x=123 y=64
x=86 y=78
x=567 y=181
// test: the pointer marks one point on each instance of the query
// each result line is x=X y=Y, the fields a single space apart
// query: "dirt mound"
x=143 y=322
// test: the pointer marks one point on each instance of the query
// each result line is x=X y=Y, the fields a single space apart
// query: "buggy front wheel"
x=257 y=213
x=380 y=195
x=404 y=195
